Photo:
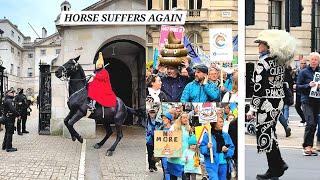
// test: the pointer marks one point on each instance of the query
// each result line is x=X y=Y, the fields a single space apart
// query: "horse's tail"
x=138 y=112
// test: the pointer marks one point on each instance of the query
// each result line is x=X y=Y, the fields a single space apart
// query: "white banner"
x=68 y=18
x=221 y=45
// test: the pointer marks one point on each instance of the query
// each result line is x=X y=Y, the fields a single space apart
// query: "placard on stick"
x=167 y=143
x=208 y=113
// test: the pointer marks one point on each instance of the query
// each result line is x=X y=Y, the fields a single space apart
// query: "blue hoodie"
x=196 y=92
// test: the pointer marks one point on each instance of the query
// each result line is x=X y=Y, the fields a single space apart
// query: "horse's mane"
x=82 y=74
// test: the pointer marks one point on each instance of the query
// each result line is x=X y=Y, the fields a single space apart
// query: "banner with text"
x=167 y=144
x=221 y=47
x=69 y=18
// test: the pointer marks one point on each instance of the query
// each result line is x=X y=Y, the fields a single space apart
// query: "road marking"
x=82 y=164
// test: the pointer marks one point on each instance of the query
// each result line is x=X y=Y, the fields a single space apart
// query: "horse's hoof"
x=80 y=139
x=109 y=153
x=97 y=146
x=73 y=138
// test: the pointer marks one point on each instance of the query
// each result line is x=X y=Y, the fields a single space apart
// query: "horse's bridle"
x=64 y=72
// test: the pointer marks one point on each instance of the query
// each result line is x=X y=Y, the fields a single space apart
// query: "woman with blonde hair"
x=176 y=165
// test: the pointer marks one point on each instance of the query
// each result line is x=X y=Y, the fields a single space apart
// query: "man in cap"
x=276 y=49
x=173 y=83
x=200 y=90
x=22 y=108
x=10 y=114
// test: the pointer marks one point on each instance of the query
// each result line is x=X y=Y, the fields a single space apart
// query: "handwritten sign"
x=315 y=90
x=207 y=113
x=167 y=144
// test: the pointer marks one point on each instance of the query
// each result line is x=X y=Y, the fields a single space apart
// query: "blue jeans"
x=284 y=117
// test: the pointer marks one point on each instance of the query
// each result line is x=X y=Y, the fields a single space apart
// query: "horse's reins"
x=66 y=79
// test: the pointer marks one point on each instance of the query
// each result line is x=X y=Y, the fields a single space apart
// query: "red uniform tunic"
x=100 y=89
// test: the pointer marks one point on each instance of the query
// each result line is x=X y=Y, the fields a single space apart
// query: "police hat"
x=10 y=91
x=201 y=67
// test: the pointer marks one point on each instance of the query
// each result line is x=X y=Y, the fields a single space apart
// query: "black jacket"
x=21 y=104
x=8 y=108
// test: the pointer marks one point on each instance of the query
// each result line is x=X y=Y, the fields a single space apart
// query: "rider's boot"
x=92 y=105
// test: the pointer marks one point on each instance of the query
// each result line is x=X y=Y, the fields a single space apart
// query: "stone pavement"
x=40 y=157
x=56 y=157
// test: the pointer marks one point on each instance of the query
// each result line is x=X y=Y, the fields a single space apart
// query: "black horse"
x=72 y=72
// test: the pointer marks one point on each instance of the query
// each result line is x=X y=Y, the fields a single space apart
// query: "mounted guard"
x=100 y=89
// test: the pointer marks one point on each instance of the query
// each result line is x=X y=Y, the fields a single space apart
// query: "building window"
x=169 y=4
x=30 y=55
x=12 y=33
x=11 y=69
x=58 y=51
x=196 y=40
x=195 y=4
x=29 y=72
x=274 y=14
x=149 y=4
x=149 y=48
x=18 y=71
x=19 y=39
x=12 y=49
x=43 y=52
x=18 y=53
x=316 y=38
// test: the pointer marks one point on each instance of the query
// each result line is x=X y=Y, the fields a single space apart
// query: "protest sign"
x=167 y=143
x=315 y=90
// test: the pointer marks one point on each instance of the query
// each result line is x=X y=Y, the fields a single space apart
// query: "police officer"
x=22 y=108
x=10 y=114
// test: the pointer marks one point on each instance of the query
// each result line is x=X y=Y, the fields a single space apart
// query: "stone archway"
x=126 y=67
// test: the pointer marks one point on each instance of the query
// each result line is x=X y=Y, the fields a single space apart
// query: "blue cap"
x=201 y=67
x=167 y=115
x=192 y=140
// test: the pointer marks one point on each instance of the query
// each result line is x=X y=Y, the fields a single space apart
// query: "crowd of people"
x=195 y=159
x=200 y=83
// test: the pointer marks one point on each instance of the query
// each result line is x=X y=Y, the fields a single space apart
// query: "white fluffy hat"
x=281 y=44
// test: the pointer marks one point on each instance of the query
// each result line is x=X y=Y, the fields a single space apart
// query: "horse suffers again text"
x=122 y=18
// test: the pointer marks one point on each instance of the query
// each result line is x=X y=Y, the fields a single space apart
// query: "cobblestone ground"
x=56 y=157
x=128 y=160
x=40 y=156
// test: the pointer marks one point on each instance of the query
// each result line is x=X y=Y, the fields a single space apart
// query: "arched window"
x=196 y=40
